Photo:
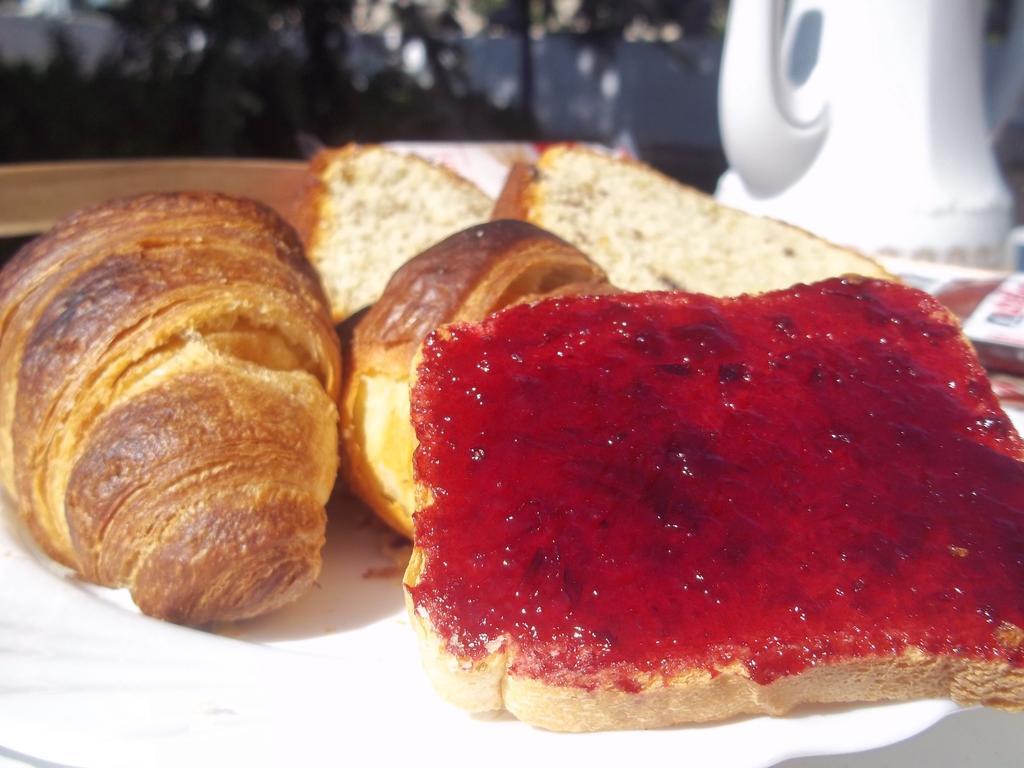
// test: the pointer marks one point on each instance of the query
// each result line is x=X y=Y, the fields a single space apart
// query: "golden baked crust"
x=309 y=205
x=463 y=278
x=166 y=419
x=515 y=200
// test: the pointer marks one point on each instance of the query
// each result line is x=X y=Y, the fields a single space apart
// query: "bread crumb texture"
x=378 y=209
x=651 y=233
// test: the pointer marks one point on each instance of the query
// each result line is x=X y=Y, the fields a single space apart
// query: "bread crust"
x=697 y=695
x=513 y=202
x=306 y=208
x=148 y=348
x=463 y=278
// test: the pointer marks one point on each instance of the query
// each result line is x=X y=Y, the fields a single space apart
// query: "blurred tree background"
x=263 y=78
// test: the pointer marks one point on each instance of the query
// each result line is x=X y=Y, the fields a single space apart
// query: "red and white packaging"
x=996 y=326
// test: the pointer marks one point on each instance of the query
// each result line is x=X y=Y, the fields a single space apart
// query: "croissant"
x=465 y=277
x=168 y=372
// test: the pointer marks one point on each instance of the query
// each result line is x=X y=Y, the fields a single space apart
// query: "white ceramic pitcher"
x=865 y=121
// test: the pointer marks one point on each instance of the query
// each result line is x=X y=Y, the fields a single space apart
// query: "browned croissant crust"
x=167 y=419
x=463 y=278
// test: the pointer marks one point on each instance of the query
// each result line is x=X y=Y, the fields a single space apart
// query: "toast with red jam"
x=640 y=510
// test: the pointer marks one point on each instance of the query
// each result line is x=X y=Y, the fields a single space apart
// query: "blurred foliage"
x=222 y=77
x=608 y=17
x=998 y=14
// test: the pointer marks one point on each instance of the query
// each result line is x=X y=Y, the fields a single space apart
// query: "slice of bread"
x=651 y=233
x=638 y=510
x=367 y=210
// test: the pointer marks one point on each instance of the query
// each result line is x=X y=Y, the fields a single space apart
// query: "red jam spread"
x=627 y=486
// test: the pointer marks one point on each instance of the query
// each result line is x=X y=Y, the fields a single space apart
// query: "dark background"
x=245 y=78
x=258 y=78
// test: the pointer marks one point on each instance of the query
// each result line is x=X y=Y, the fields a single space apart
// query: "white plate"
x=85 y=680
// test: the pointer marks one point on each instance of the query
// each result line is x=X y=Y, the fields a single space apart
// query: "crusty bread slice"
x=650 y=232
x=368 y=209
x=623 y=522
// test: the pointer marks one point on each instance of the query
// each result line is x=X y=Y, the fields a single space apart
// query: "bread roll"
x=463 y=278
x=167 y=418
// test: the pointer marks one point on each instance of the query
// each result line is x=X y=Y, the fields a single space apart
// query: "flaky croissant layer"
x=168 y=373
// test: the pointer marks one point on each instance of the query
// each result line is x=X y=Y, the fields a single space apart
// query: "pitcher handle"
x=766 y=144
